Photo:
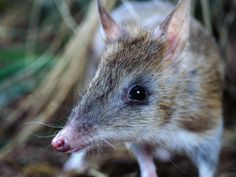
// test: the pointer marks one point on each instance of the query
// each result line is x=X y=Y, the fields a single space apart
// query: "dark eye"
x=137 y=93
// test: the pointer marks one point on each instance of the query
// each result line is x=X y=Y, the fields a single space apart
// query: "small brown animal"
x=155 y=87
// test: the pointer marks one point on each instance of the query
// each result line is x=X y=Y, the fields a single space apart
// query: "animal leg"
x=206 y=155
x=145 y=160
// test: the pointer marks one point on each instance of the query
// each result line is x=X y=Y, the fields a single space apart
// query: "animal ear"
x=112 y=31
x=175 y=29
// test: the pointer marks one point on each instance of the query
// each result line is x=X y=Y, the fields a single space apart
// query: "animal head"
x=125 y=98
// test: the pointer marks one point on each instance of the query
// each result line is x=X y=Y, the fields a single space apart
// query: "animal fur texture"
x=178 y=64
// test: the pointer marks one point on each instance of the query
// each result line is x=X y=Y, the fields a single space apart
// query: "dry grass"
x=68 y=75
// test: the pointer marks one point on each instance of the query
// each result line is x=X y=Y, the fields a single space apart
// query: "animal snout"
x=72 y=137
x=60 y=144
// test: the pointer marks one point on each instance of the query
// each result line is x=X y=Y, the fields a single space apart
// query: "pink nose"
x=60 y=145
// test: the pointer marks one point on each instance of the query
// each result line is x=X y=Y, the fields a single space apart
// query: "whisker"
x=98 y=146
x=92 y=155
x=48 y=146
x=176 y=166
x=44 y=136
x=42 y=123
x=108 y=143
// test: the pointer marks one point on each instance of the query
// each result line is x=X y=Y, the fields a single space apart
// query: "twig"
x=33 y=29
x=65 y=14
x=25 y=73
x=70 y=69
x=35 y=66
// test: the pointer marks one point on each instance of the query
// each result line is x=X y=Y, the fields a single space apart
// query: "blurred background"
x=45 y=46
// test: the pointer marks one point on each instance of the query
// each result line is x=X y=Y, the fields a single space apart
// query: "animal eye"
x=137 y=93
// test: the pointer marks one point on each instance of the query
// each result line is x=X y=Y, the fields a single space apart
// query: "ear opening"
x=111 y=30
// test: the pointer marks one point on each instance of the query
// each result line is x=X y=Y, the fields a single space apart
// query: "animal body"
x=158 y=85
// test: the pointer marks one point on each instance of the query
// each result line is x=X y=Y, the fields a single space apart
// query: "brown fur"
x=181 y=72
x=140 y=52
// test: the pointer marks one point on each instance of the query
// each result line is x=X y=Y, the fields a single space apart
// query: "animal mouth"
x=77 y=148
x=89 y=144
x=67 y=143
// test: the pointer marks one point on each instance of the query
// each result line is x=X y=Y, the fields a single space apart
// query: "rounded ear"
x=111 y=30
x=175 y=29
